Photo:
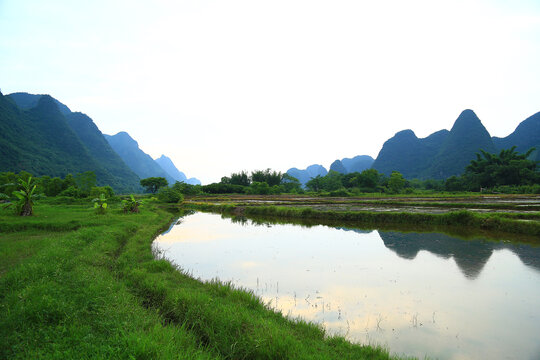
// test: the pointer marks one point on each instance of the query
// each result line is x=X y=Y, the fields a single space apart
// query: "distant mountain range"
x=344 y=166
x=446 y=153
x=167 y=165
x=438 y=156
x=41 y=135
x=356 y=164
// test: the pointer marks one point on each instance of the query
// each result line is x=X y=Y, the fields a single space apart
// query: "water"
x=417 y=294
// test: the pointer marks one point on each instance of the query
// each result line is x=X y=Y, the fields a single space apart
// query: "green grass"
x=74 y=284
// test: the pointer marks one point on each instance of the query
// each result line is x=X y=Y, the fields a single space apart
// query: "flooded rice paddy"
x=417 y=294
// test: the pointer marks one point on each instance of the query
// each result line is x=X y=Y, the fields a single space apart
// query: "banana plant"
x=100 y=204
x=131 y=205
x=25 y=197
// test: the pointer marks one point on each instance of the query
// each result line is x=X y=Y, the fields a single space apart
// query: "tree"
x=85 y=182
x=315 y=184
x=506 y=168
x=270 y=177
x=152 y=184
x=240 y=178
x=396 y=183
x=290 y=184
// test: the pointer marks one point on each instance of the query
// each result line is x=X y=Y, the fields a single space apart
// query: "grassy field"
x=74 y=284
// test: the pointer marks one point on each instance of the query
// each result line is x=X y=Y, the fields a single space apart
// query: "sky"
x=223 y=86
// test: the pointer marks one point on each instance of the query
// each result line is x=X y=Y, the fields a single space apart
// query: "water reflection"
x=416 y=293
x=470 y=255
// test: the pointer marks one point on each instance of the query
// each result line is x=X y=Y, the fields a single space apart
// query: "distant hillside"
x=138 y=161
x=169 y=167
x=77 y=143
x=464 y=141
x=310 y=172
x=100 y=149
x=27 y=101
x=338 y=167
x=438 y=156
x=356 y=164
x=526 y=136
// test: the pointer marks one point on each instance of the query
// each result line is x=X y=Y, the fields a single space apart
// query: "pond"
x=417 y=294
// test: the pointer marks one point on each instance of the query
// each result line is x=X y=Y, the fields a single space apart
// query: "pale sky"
x=222 y=86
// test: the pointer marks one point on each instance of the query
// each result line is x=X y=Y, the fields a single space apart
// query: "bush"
x=96 y=191
x=169 y=195
x=71 y=191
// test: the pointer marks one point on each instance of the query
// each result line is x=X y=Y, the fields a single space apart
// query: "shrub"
x=71 y=191
x=169 y=195
x=96 y=191
x=131 y=205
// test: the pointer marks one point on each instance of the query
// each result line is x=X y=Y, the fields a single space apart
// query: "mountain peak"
x=466 y=118
x=408 y=133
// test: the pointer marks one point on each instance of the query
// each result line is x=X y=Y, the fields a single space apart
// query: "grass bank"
x=74 y=284
x=502 y=223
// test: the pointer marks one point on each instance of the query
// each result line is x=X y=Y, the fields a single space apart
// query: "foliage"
x=107 y=190
x=241 y=178
x=506 y=168
x=85 y=182
x=26 y=196
x=100 y=204
x=223 y=188
x=170 y=195
x=267 y=176
x=258 y=188
x=153 y=184
x=396 y=183
x=72 y=191
x=45 y=141
x=506 y=171
x=131 y=205
x=187 y=189
x=290 y=184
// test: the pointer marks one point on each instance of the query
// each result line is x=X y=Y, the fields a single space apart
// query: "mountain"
x=438 y=156
x=526 y=136
x=99 y=148
x=338 y=166
x=408 y=154
x=310 y=172
x=358 y=163
x=169 y=167
x=66 y=142
x=138 y=161
x=464 y=141
x=27 y=101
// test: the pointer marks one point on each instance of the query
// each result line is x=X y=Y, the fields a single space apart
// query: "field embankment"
x=493 y=215
x=74 y=284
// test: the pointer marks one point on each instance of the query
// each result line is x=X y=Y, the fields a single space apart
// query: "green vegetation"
x=152 y=184
x=462 y=218
x=26 y=196
x=74 y=284
x=131 y=205
x=100 y=204
x=81 y=185
x=42 y=137
x=504 y=171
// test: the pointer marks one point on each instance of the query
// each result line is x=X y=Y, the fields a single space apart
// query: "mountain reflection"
x=470 y=255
